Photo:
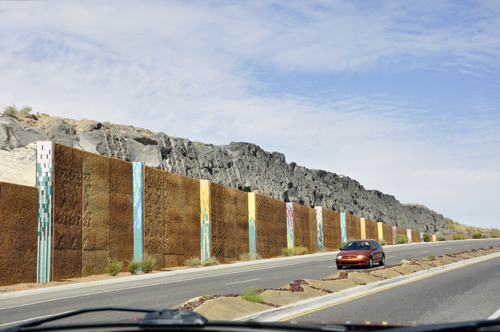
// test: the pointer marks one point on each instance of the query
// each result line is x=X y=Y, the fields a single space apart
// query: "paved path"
x=168 y=291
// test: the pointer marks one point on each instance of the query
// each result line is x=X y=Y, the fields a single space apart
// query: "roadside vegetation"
x=477 y=235
x=114 y=267
x=134 y=266
x=457 y=237
x=252 y=295
x=441 y=238
x=148 y=263
x=246 y=256
x=210 y=261
x=193 y=261
x=427 y=237
x=494 y=235
x=381 y=242
x=13 y=111
x=401 y=239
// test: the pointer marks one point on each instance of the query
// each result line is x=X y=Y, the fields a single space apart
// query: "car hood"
x=354 y=252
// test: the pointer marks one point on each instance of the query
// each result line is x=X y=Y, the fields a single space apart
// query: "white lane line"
x=239 y=282
x=495 y=315
x=157 y=284
x=27 y=320
x=391 y=256
x=424 y=251
x=448 y=248
x=332 y=266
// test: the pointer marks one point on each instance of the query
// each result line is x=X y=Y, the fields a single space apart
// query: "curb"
x=180 y=272
x=281 y=313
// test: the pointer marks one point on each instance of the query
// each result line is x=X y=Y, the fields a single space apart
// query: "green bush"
x=400 y=239
x=252 y=295
x=287 y=251
x=198 y=143
x=427 y=237
x=26 y=109
x=114 y=266
x=193 y=261
x=210 y=261
x=245 y=257
x=472 y=229
x=297 y=251
x=494 y=235
x=441 y=238
x=486 y=236
x=134 y=266
x=477 y=235
x=430 y=257
x=457 y=237
x=10 y=110
x=450 y=223
x=381 y=242
x=148 y=263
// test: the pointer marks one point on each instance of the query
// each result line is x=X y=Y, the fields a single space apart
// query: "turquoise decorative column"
x=319 y=220
x=44 y=183
x=138 y=210
x=343 y=228
x=421 y=236
x=289 y=226
x=205 y=219
x=252 y=234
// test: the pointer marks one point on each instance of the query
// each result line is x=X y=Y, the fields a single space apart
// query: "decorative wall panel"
x=343 y=227
x=138 y=184
x=205 y=219
x=363 y=228
x=319 y=219
x=289 y=226
x=252 y=240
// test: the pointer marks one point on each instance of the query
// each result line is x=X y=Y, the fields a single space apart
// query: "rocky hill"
x=239 y=165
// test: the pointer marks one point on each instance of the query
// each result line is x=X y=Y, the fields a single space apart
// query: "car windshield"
x=356 y=245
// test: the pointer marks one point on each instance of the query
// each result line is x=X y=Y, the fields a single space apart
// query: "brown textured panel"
x=67 y=217
x=313 y=230
x=181 y=201
x=353 y=226
x=121 y=209
x=387 y=230
x=331 y=229
x=153 y=214
x=402 y=231
x=280 y=212
x=415 y=236
x=218 y=227
x=242 y=222
x=301 y=226
x=371 y=229
x=18 y=228
x=95 y=214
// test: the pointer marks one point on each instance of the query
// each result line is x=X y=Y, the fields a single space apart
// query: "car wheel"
x=339 y=267
x=382 y=261
x=370 y=262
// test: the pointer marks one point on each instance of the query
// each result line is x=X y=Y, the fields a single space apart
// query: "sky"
x=402 y=96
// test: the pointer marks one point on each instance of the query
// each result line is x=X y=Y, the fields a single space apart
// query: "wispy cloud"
x=219 y=71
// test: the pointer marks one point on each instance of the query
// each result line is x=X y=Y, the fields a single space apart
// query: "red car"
x=360 y=252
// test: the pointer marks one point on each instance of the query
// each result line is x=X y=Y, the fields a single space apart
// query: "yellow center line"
x=381 y=290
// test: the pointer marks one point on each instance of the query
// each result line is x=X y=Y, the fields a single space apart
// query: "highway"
x=172 y=289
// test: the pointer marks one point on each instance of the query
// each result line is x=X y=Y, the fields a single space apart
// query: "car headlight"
x=339 y=257
x=361 y=256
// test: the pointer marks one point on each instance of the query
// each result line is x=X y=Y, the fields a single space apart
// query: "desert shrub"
x=114 y=266
x=472 y=229
x=430 y=257
x=441 y=238
x=457 y=237
x=26 y=109
x=494 y=235
x=148 y=263
x=427 y=237
x=193 y=261
x=10 y=110
x=134 y=266
x=287 y=251
x=246 y=256
x=198 y=143
x=477 y=235
x=381 y=242
x=300 y=251
x=400 y=239
x=252 y=295
x=486 y=236
x=450 y=223
x=210 y=261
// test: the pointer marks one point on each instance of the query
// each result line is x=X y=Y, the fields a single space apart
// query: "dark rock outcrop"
x=244 y=166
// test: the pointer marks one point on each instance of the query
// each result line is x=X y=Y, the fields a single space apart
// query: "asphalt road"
x=467 y=293
x=169 y=291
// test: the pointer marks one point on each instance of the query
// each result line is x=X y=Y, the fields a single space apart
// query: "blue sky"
x=402 y=96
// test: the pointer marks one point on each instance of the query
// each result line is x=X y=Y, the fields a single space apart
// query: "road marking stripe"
x=424 y=251
x=391 y=256
x=381 y=290
x=29 y=319
x=495 y=315
x=239 y=282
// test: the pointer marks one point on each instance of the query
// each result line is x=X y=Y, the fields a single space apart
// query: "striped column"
x=363 y=229
x=343 y=228
x=422 y=237
x=434 y=238
x=138 y=180
x=205 y=219
x=394 y=233
x=252 y=234
x=380 y=230
x=408 y=235
x=44 y=183
x=319 y=220
x=289 y=226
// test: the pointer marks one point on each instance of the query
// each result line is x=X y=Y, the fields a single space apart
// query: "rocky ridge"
x=244 y=166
